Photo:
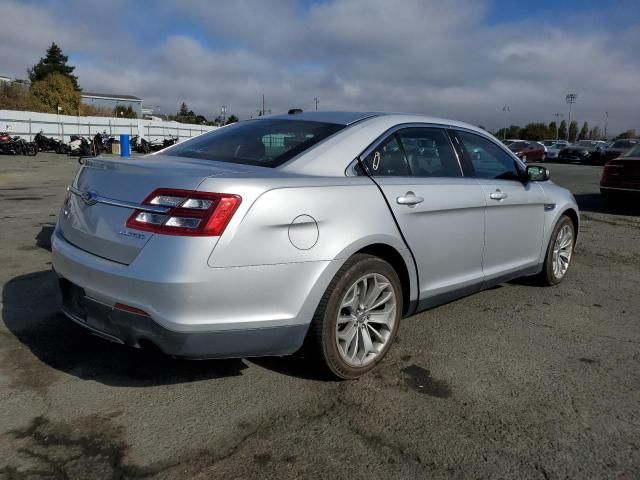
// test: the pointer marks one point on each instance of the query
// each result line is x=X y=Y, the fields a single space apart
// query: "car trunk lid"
x=105 y=192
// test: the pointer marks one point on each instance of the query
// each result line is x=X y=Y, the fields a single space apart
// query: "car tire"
x=559 y=252
x=347 y=347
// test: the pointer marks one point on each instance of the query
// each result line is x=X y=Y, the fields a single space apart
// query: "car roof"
x=331 y=156
x=340 y=118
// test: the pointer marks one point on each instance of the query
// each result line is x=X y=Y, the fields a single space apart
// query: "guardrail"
x=28 y=124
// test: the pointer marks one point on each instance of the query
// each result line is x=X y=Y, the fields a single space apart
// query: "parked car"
x=617 y=148
x=621 y=176
x=528 y=151
x=583 y=151
x=320 y=226
x=554 y=149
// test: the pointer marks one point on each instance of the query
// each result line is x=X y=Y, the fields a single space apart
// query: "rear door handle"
x=498 y=195
x=410 y=199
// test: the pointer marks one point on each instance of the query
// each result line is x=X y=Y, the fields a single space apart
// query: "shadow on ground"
x=43 y=239
x=594 y=202
x=31 y=313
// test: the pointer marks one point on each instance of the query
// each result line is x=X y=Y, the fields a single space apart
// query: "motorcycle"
x=17 y=146
x=46 y=144
x=146 y=146
x=103 y=142
x=80 y=146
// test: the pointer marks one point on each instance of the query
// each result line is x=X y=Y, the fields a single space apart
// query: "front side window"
x=387 y=160
x=489 y=161
x=264 y=142
x=429 y=152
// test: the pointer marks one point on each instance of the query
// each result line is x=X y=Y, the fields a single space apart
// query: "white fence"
x=27 y=124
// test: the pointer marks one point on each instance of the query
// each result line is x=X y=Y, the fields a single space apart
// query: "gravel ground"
x=518 y=381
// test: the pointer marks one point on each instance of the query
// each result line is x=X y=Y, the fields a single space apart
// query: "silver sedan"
x=318 y=229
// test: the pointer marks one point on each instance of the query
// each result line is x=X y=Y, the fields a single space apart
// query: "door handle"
x=498 y=195
x=410 y=199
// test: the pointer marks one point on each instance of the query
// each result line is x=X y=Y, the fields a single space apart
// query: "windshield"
x=585 y=143
x=518 y=145
x=548 y=143
x=624 y=144
x=634 y=152
x=264 y=142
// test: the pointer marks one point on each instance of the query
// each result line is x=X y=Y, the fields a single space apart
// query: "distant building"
x=5 y=79
x=111 y=100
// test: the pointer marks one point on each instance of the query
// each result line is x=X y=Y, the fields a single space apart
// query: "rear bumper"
x=135 y=330
x=198 y=311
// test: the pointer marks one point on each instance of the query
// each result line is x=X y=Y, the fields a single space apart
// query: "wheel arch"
x=575 y=219
x=394 y=258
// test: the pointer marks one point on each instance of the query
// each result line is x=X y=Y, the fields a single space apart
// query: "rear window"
x=264 y=142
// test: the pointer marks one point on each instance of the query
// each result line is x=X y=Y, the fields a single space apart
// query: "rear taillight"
x=189 y=213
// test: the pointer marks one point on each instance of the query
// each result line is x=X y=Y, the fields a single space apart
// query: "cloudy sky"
x=461 y=59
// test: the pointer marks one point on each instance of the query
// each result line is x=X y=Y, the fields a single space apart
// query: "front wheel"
x=357 y=318
x=559 y=252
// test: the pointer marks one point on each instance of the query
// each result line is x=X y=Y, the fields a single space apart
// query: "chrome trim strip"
x=120 y=203
x=621 y=189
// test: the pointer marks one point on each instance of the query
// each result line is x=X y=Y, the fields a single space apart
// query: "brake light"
x=189 y=213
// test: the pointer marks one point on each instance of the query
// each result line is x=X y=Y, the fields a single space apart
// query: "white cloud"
x=419 y=56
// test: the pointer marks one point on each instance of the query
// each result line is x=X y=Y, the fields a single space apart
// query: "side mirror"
x=536 y=173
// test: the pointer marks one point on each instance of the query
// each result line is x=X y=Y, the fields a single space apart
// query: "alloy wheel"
x=366 y=319
x=562 y=250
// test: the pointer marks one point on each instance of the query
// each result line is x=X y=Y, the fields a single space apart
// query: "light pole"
x=223 y=112
x=506 y=111
x=558 y=116
x=606 y=124
x=571 y=99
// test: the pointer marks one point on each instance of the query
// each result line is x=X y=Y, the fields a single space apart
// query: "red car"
x=621 y=176
x=528 y=151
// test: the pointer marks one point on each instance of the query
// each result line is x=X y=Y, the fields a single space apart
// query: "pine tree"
x=584 y=131
x=53 y=61
x=573 y=131
x=562 y=131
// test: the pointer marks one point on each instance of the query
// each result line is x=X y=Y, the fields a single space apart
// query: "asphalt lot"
x=518 y=381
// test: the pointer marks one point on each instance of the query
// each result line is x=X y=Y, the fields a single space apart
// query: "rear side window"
x=429 y=153
x=264 y=142
x=489 y=160
x=387 y=160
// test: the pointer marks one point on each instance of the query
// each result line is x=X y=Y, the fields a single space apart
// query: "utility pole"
x=506 y=110
x=571 y=99
x=262 y=105
x=316 y=100
x=558 y=116
x=606 y=124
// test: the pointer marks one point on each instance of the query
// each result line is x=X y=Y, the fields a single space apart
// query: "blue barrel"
x=125 y=146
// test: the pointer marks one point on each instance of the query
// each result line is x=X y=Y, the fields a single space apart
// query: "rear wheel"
x=357 y=318
x=559 y=252
x=31 y=149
